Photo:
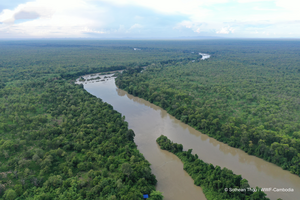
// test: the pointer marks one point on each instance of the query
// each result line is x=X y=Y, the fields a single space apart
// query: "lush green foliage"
x=59 y=142
x=75 y=58
x=246 y=95
x=213 y=180
x=56 y=140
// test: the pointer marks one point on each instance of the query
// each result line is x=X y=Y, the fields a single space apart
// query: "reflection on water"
x=150 y=121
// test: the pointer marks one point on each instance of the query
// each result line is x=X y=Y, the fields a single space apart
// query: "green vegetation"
x=246 y=95
x=59 y=142
x=213 y=180
x=71 y=59
x=56 y=140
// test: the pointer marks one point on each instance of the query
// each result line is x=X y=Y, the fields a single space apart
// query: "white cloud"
x=252 y=1
x=206 y=27
x=79 y=18
x=74 y=18
x=186 y=24
x=135 y=26
x=87 y=30
x=293 y=5
x=264 y=9
x=195 y=26
x=285 y=12
x=226 y=30
x=288 y=4
x=192 y=8
x=138 y=17
x=26 y=11
x=53 y=18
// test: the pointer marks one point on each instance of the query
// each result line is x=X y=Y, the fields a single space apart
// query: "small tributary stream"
x=149 y=122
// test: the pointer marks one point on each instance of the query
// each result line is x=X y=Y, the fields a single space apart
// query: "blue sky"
x=155 y=19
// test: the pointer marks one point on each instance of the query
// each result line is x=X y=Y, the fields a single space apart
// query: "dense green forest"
x=246 y=95
x=58 y=141
x=74 y=58
x=216 y=183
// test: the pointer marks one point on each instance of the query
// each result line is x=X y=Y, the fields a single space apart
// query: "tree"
x=126 y=169
x=19 y=190
x=156 y=195
x=203 y=124
x=130 y=135
x=10 y=194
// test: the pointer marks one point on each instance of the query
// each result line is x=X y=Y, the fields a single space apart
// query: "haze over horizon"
x=103 y=19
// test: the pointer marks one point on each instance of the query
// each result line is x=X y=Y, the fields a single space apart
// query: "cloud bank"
x=149 y=19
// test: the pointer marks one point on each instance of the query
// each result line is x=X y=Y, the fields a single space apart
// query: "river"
x=204 y=56
x=149 y=121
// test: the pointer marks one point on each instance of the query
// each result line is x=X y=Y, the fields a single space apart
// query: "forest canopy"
x=59 y=142
x=246 y=95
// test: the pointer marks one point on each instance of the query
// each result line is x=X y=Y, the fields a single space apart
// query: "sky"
x=149 y=19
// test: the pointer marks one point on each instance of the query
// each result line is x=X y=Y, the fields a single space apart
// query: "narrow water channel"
x=149 y=122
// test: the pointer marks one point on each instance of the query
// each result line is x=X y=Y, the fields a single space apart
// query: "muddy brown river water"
x=149 y=122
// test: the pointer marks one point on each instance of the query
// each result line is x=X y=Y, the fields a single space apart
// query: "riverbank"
x=216 y=183
x=150 y=121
